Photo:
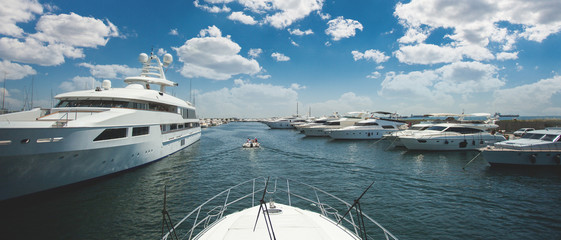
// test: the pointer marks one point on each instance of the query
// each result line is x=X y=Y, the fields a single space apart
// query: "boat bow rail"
x=293 y=193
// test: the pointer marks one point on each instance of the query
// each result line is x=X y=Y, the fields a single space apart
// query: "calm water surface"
x=417 y=195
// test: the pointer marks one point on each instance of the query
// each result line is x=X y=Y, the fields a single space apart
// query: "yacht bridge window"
x=436 y=128
x=186 y=113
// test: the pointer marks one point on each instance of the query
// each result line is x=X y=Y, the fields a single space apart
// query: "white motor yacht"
x=535 y=148
x=393 y=137
x=285 y=123
x=373 y=128
x=316 y=122
x=452 y=136
x=280 y=209
x=94 y=133
x=320 y=130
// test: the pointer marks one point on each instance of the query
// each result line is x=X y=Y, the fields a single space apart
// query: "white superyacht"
x=93 y=133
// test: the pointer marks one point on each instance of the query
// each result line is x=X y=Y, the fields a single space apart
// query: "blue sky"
x=258 y=58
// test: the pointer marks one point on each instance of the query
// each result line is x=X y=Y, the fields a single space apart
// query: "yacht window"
x=112 y=133
x=173 y=127
x=137 y=131
x=550 y=137
x=320 y=121
x=436 y=128
x=387 y=127
x=536 y=136
x=463 y=130
x=415 y=128
x=333 y=123
x=366 y=124
x=180 y=126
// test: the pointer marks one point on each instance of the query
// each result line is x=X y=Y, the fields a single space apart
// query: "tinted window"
x=112 y=133
x=549 y=137
x=436 y=128
x=137 y=131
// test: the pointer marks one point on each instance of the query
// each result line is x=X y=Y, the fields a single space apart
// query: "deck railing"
x=281 y=190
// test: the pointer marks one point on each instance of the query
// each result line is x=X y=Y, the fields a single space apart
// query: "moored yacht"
x=320 y=130
x=452 y=136
x=366 y=129
x=393 y=137
x=93 y=133
x=535 y=148
x=285 y=123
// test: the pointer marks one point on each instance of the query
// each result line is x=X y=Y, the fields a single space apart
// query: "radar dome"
x=143 y=58
x=106 y=84
x=168 y=59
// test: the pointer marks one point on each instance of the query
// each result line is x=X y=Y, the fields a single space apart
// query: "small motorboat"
x=250 y=145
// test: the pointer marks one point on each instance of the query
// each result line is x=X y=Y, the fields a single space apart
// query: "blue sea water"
x=416 y=195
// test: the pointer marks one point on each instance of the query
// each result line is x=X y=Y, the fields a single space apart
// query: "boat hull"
x=359 y=134
x=279 y=125
x=522 y=157
x=37 y=166
x=450 y=143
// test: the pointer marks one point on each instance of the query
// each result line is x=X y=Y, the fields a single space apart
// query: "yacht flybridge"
x=93 y=133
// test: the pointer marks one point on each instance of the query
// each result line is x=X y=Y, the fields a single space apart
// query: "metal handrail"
x=224 y=203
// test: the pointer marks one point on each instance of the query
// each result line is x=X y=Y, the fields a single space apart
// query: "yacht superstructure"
x=93 y=133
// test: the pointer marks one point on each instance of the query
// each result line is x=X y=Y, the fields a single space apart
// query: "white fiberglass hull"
x=37 y=164
x=279 y=125
x=359 y=134
x=317 y=131
x=505 y=157
x=449 y=143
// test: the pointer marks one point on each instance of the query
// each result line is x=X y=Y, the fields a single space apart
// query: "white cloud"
x=342 y=28
x=372 y=54
x=241 y=17
x=74 y=30
x=324 y=16
x=299 y=32
x=279 y=57
x=213 y=56
x=290 y=11
x=161 y=52
x=532 y=99
x=474 y=24
x=173 y=32
x=374 y=75
x=263 y=76
x=348 y=102
x=35 y=52
x=427 y=54
x=17 y=11
x=213 y=9
x=294 y=43
x=57 y=37
x=248 y=100
x=14 y=71
x=297 y=86
x=79 y=83
x=502 y=56
x=440 y=85
x=255 y=52
x=111 y=71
